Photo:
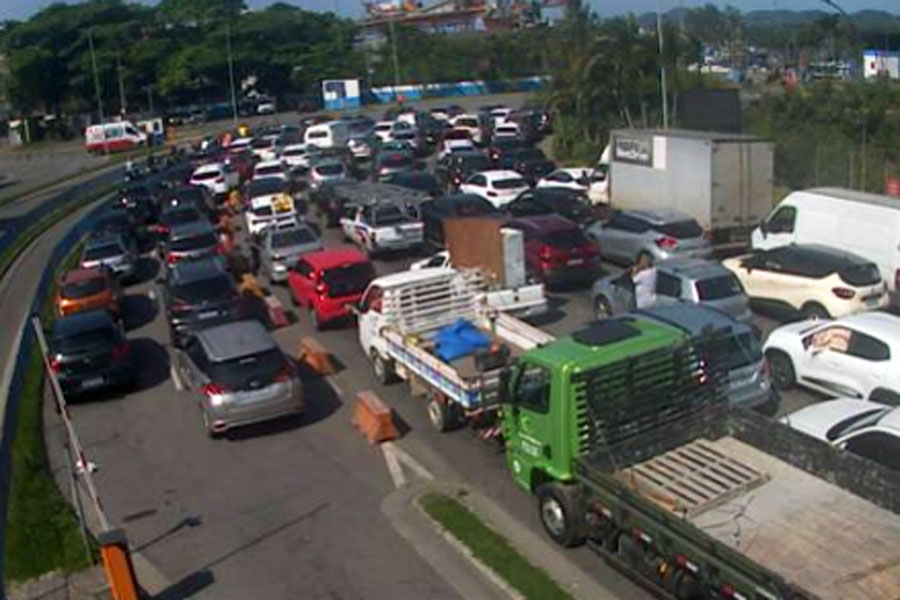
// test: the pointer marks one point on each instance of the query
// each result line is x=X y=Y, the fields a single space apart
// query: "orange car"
x=88 y=289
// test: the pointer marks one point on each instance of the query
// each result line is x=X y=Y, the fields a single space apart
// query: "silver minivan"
x=239 y=376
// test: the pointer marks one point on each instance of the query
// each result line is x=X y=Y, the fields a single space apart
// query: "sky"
x=22 y=9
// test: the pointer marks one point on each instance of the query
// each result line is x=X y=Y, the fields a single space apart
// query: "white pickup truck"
x=399 y=318
x=524 y=301
x=381 y=227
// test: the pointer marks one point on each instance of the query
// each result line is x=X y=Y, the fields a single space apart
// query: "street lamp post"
x=234 y=110
x=662 y=66
x=394 y=56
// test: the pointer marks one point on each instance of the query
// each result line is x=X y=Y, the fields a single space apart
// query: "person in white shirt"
x=643 y=274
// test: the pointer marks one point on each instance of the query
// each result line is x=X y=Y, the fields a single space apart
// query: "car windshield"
x=248 y=372
x=348 y=279
x=856 y=422
x=565 y=238
x=104 y=251
x=292 y=237
x=863 y=274
x=332 y=169
x=681 y=230
x=194 y=242
x=731 y=351
x=219 y=287
x=294 y=152
x=184 y=215
x=83 y=288
x=721 y=286
x=510 y=184
x=475 y=163
x=86 y=341
x=265 y=187
x=205 y=175
x=273 y=170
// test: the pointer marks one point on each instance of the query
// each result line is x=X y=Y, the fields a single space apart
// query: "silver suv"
x=240 y=376
x=659 y=234
x=111 y=252
x=692 y=280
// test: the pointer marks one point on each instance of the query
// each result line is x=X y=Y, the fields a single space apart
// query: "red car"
x=327 y=282
x=557 y=251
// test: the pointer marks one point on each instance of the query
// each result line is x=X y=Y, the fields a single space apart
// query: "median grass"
x=42 y=532
x=492 y=549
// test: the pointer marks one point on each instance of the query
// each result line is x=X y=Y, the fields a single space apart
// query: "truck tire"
x=602 y=308
x=444 y=416
x=782 y=368
x=561 y=514
x=383 y=369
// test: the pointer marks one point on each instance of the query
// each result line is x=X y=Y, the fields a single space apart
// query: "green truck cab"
x=624 y=434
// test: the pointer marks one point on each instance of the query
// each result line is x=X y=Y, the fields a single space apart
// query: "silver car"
x=112 y=252
x=693 y=280
x=731 y=343
x=191 y=241
x=282 y=245
x=658 y=234
x=239 y=375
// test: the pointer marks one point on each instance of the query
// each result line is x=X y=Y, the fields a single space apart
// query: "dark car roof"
x=556 y=195
x=79 y=322
x=819 y=259
x=235 y=340
x=545 y=223
x=184 y=272
x=694 y=319
x=186 y=230
x=452 y=203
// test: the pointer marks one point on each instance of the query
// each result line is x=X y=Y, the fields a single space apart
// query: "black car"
x=571 y=204
x=416 y=180
x=453 y=169
x=498 y=149
x=387 y=163
x=89 y=352
x=139 y=202
x=178 y=214
x=531 y=163
x=197 y=295
x=120 y=223
x=192 y=194
x=433 y=213
x=522 y=156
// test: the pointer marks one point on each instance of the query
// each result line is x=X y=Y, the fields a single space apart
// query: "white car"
x=269 y=203
x=265 y=108
x=327 y=171
x=817 y=281
x=441 y=260
x=471 y=123
x=382 y=228
x=593 y=183
x=384 y=130
x=499 y=187
x=267 y=147
x=296 y=155
x=499 y=115
x=857 y=356
x=507 y=131
x=455 y=145
x=867 y=429
x=218 y=178
x=238 y=145
x=269 y=168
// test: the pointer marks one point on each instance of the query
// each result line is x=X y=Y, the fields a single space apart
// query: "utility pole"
x=122 y=107
x=394 y=56
x=662 y=66
x=234 y=110
x=96 y=76
x=149 y=89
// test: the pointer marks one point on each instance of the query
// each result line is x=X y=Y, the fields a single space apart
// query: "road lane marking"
x=396 y=458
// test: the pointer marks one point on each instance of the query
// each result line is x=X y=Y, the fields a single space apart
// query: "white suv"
x=857 y=356
x=817 y=281
x=218 y=178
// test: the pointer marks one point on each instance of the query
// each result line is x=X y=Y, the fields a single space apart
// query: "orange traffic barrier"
x=117 y=565
x=315 y=356
x=374 y=418
x=275 y=309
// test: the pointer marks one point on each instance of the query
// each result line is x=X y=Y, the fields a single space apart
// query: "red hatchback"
x=557 y=251
x=327 y=282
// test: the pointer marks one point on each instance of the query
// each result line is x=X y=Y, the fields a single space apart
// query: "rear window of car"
x=294 y=237
x=476 y=163
x=195 y=242
x=248 y=372
x=204 y=290
x=395 y=161
x=732 y=351
x=273 y=170
x=389 y=215
x=265 y=187
x=294 y=152
x=84 y=288
x=348 y=279
x=263 y=143
x=863 y=274
x=466 y=123
x=721 y=286
x=177 y=217
x=510 y=184
x=681 y=230
x=204 y=175
x=101 y=252
x=565 y=238
x=330 y=169
x=86 y=341
x=190 y=195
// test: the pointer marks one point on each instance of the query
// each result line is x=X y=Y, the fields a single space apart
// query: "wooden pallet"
x=692 y=478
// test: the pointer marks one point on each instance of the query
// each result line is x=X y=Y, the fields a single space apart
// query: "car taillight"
x=666 y=242
x=119 y=352
x=172 y=258
x=550 y=255
x=285 y=374
x=214 y=389
x=162 y=229
x=55 y=365
x=220 y=179
x=843 y=293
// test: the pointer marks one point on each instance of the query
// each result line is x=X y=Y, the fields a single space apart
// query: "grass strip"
x=42 y=531
x=492 y=549
x=24 y=239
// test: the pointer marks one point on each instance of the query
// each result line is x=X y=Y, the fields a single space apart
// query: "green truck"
x=623 y=433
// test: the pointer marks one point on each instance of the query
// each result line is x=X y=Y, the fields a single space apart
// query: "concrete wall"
x=388 y=94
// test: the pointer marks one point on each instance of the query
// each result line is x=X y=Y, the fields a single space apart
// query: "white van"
x=333 y=134
x=113 y=137
x=861 y=223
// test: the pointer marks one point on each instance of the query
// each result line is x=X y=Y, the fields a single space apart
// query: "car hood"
x=817 y=419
